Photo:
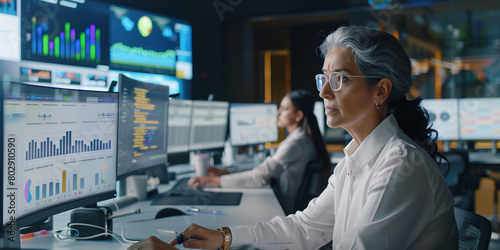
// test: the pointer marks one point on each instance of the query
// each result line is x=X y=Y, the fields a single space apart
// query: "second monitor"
x=142 y=130
x=253 y=123
x=208 y=125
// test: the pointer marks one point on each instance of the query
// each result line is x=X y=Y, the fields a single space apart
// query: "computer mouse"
x=168 y=212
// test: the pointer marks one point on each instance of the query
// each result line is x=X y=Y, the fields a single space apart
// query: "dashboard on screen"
x=63 y=145
x=10 y=46
x=60 y=34
x=479 y=118
x=179 y=125
x=443 y=114
x=253 y=123
x=86 y=44
x=141 y=40
x=208 y=125
x=319 y=112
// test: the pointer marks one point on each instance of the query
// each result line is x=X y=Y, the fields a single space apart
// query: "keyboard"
x=182 y=184
x=181 y=188
x=182 y=194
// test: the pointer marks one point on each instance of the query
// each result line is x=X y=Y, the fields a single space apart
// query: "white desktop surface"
x=257 y=204
x=486 y=158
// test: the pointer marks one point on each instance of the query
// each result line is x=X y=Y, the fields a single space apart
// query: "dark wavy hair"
x=303 y=100
x=379 y=54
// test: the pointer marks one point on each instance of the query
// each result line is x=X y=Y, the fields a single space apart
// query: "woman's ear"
x=299 y=116
x=382 y=90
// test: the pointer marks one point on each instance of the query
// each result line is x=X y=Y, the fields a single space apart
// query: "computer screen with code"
x=142 y=137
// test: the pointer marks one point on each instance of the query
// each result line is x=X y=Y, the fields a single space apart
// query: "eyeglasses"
x=335 y=79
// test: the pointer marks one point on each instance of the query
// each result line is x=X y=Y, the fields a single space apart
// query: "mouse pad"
x=199 y=198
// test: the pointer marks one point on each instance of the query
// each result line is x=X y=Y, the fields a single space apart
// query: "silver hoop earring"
x=377 y=105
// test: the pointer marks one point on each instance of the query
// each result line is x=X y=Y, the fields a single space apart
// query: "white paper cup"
x=200 y=162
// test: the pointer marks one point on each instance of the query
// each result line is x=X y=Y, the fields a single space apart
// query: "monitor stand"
x=46 y=224
x=10 y=237
x=251 y=151
x=446 y=146
x=494 y=147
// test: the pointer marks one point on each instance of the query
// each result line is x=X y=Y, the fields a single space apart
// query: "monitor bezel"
x=433 y=102
x=461 y=102
x=115 y=66
x=145 y=170
x=211 y=148
x=253 y=103
x=180 y=152
x=37 y=215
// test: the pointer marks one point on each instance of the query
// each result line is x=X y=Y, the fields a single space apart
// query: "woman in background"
x=303 y=144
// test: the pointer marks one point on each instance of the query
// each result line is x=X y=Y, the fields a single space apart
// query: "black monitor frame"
x=274 y=104
x=196 y=147
x=160 y=164
x=35 y=216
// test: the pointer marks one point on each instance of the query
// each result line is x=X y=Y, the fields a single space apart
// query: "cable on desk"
x=121 y=222
x=58 y=234
x=67 y=236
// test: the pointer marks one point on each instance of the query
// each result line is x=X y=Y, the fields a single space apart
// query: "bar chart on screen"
x=56 y=139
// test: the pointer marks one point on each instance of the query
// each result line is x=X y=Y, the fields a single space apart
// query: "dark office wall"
x=306 y=59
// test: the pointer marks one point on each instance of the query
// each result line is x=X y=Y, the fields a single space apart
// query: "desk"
x=484 y=158
x=257 y=204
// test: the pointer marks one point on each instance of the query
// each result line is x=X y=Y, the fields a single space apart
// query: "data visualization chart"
x=443 y=114
x=253 y=123
x=147 y=42
x=179 y=125
x=479 y=118
x=9 y=34
x=60 y=36
x=66 y=145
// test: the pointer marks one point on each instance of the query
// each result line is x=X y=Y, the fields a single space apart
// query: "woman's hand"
x=204 y=181
x=200 y=237
x=211 y=171
x=151 y=243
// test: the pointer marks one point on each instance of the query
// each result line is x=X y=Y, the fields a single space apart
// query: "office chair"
x=474 y=231
x=459 y=178
x=314 y=181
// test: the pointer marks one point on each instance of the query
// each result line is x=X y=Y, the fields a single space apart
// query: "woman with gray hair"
x=388 y=191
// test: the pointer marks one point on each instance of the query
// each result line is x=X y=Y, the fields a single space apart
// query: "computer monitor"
x=319 y=112
x=253 y=123
x=149 y=42
x=336 y=135
x=66 y=35
x=208 y=125
x=59 y=150
x=479 y=118
x=142 y=130
x=179 y=125
x=443 y=114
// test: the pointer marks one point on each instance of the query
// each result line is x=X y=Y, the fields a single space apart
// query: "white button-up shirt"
x=286 y=166
x=387 y=193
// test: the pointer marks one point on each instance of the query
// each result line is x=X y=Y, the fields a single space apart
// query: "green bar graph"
x=57 y=46
x=45 y=42
x=92 y=52
x=67 y=27
x=97 y=40
x=67 y=36
x=82 y=45
x=68 y=44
